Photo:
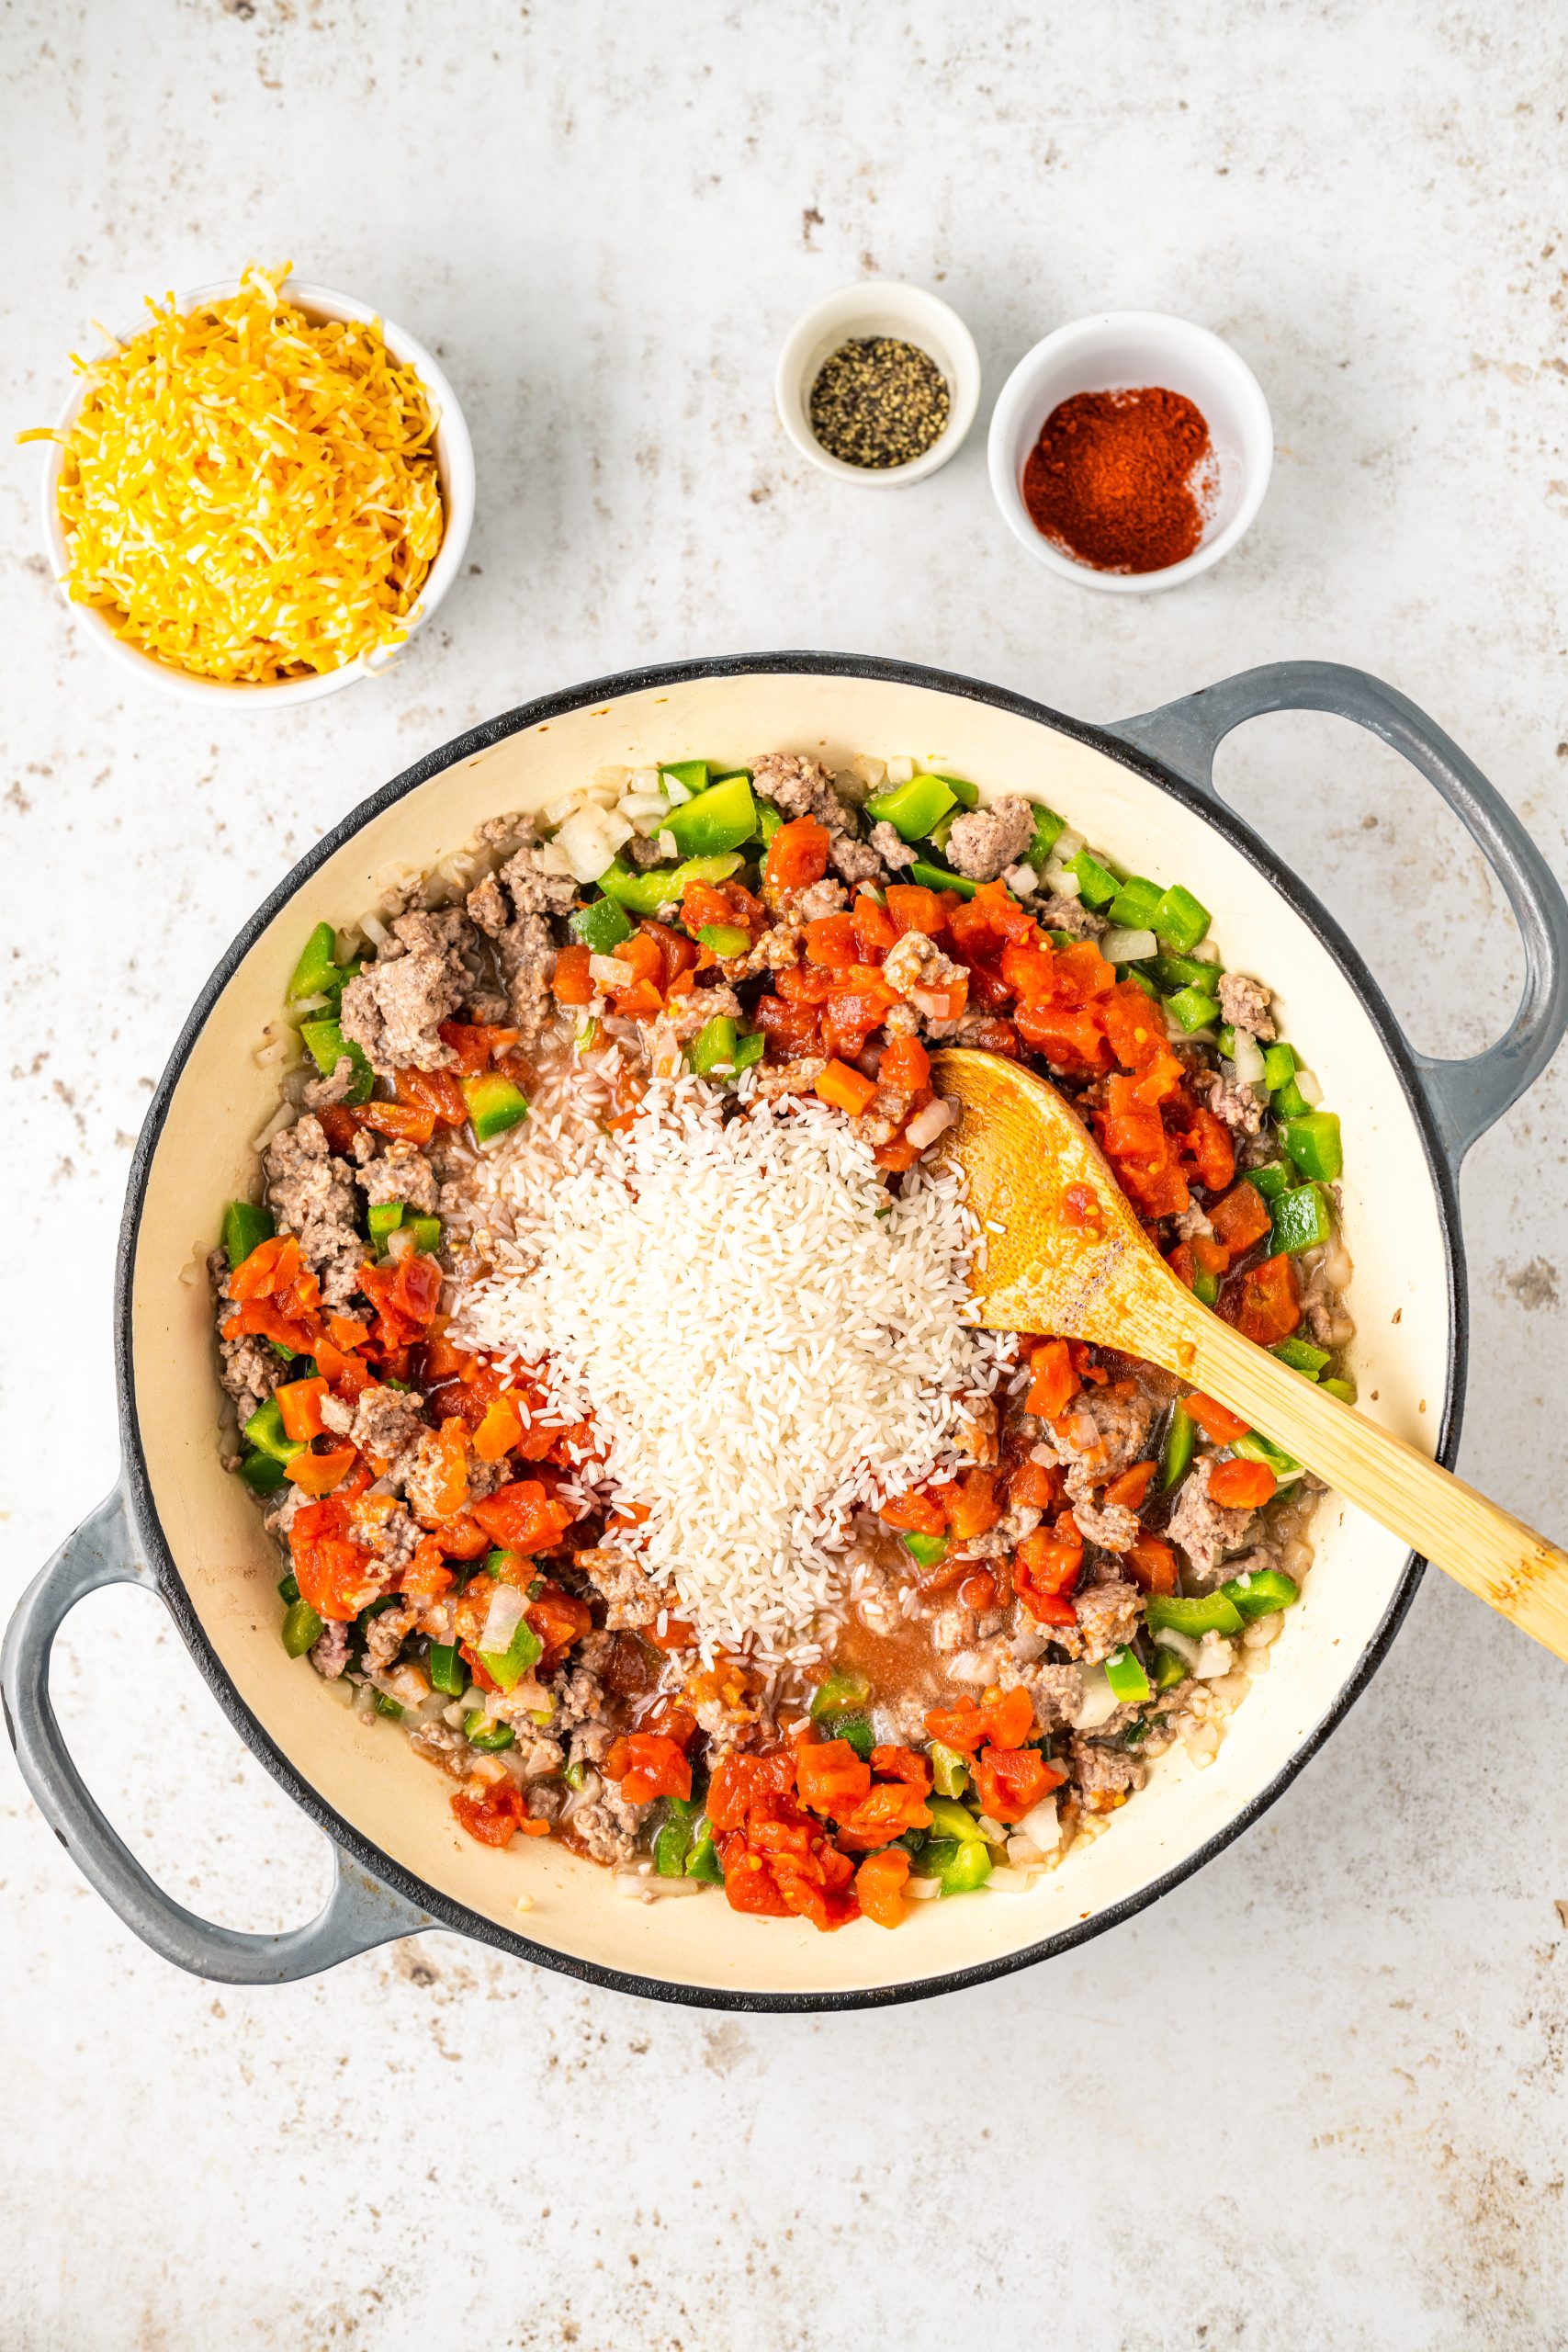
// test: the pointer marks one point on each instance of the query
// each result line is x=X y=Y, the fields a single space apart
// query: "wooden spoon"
x=1086 y=1270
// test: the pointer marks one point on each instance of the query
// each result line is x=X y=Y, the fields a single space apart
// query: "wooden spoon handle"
x=1511 y=1567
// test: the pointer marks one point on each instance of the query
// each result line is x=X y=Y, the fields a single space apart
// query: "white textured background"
x=1315 y=2098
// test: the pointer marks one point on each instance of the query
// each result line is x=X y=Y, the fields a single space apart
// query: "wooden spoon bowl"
x=1065 y=1256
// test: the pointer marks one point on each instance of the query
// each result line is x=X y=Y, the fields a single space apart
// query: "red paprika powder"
x=1122 y=480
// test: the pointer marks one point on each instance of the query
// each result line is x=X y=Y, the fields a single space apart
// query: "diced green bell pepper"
x=1301 y=1356
x=959 y=1864
x=702 y=1856
x=318 y=972
x=1301 y=1221
x=941 y=833
x=1097 y=884
x=1139 y=979
x=717 y=820
x=838 y=1693
x=1273 y=1182
x=1175 y=1452
x=713 y=1047
x=382 y=1218
x=481 y=1731
x=1129 y=1683
x=1314 y=1143
x=949 y=1770
x=1169 y=1670
x=927 y=1549
x=426 y=1231
x=967 y=795
x=1253 y=1446
x=385 y=1706
x=1180 y=919
x=912 y=808
x=645 y=893
x=951 y=1819
x=262 y=1472
x=1133 y=908
x=601 y=926
x=301 y=1629
x=725 y=938
x=289 y=1587
x=937 y=877
x=506 y=1668
x=495 y=1105
x=1048 y=830
x=1344 y=1389
x=1205 y=1287
x=265 y=1430
x=769 y=819
x=326 y=1045
x=729 y=776
x=1192 y=1008
x=748 y=1050
x=1290 y=1103
x=244 y=1227
x=447 y=1672
x=857 y=1730
x=1210 y=1614
x=1260 y=1592
x=493 y=1562
x=674 y=1837
x=1279 y=1064
x=1173 y=972
x=693 y=774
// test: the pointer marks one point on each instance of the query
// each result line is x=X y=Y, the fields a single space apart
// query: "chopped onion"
x=667 y=845
x=673 y=791
x=400 y=1241
x=646 y=780
x=1056 y=877
x=1066 y=845
x=927 y=1125
x=1099 y=1703
x=550 y=859
x=1248 y=1058
x=612 y=780
x=1022 y=879
x=1041 y=1825
x=1215 y=1658
x=1311 y=1091
x=506 y=1613
x=588 y=840
x=900 y=771
x=1007 y=1881
x=557 y=811
x=922 y=1889
x=1165 y=1637
x=651 y=1888
x=607 y=972
x=852 y=787
x=1204 y=953
x=1128 y=946
x=644 y=811
x=870 y=772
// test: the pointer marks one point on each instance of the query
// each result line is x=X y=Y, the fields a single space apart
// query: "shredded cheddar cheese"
x=250 y=494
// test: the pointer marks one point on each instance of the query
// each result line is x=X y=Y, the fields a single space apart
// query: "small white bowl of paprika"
x=1129 y=451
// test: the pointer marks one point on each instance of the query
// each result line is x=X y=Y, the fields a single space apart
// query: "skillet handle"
x=358 y=1914
x=1466 y=1097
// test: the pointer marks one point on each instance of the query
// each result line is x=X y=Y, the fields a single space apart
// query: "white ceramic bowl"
x=878 y=306
x=455 y=466
x=1119 y=351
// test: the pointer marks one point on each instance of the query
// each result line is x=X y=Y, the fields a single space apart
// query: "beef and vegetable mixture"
x=598 y=1353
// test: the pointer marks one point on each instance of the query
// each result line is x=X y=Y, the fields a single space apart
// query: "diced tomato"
x=572 y=983
x=1152 y=1564
x=1055 y=1382
x=831 y=1777
x=910 y=907
x=1241 y=1218
x=1034 y=1484
x=797 y=855
x=399 y=1121
x=890 y=1762
x=476 y=1043
x=1006 y=1718
x=1129 y=1490
x=1264 y=1304
x=499 y=1431
x=831 y=941
x=971 y=1504
x=846 y=1089
x=335 y=1577
x=905 y=1064
x=1208 y=1145
x=1215 y=1419
x=427 y=1576
x=445 y=1491
x=523 y=1517
x=1132 y=1024
x=1069 y=1037
x=886 y=1811
x=1240 y=1485
x=340 y=1124
x=648 y=1765
x=914 y=1512
x=493 y=1811
x=318 y=1474
x=739 y=1781
x=436 y=1090
x=791 y=1030
x=559 y=1619
x=1010 y=1782
x=300 y=1402
x=879 y=1886
x=873 y=928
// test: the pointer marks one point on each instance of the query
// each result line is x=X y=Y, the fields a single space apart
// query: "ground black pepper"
x=879 y=401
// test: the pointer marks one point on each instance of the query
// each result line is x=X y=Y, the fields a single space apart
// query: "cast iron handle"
x=358 y=1914
x=1466 y=1097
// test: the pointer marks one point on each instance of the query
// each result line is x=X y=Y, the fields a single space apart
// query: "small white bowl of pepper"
x=878 y=384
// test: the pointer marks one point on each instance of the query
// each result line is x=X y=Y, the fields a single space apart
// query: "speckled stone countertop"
x=1314 y=2096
